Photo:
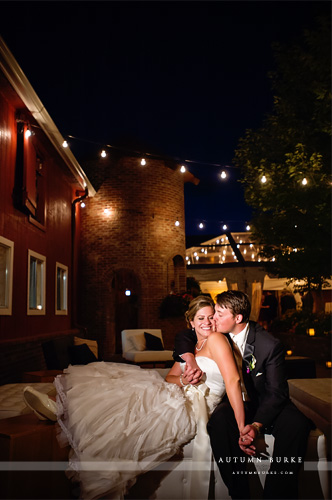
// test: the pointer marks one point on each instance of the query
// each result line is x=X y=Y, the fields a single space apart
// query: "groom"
x=266 y=400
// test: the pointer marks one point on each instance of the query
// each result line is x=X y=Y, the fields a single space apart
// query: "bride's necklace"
x=200 y=348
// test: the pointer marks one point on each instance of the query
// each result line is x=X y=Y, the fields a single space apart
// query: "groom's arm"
x=184 y=351
x=184 y=343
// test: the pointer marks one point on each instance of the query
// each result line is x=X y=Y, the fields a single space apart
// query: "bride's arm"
x=221 y=352
x=175 y=376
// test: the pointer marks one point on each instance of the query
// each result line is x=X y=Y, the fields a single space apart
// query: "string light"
x=82 y=204
x=183 y=169
x=27 y=133
x=107 y=211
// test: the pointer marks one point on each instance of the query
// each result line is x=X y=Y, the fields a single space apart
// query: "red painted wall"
x=54 y=242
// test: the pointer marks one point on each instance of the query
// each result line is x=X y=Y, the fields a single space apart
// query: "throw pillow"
x=81 y=355
x=153 y=343
x=56 y=352
x=138 y=342
x=92 y=344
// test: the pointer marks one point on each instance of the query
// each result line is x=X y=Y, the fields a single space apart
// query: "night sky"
x=185 y=79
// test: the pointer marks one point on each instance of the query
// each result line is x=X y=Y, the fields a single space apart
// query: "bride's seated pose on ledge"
x=122 y=421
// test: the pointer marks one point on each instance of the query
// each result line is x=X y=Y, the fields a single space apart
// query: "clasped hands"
x=192 y=375
x=247 y=438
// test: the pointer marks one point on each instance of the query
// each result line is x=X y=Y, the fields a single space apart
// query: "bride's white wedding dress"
x=121 y=421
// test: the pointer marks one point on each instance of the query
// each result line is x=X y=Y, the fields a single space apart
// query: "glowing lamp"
x=311 y=332
x=289 y=353
x=103 y=154
x=65 y=144
x=177 y=223
x=127 y=292
x=183 y=169
x=143 y=162
x=263 y=179
x=328 y=364
x=223 y=174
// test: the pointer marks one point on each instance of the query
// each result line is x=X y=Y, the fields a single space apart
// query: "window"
x=61 y=289
x=6 y=275
x=29 y=191
x=36 y=283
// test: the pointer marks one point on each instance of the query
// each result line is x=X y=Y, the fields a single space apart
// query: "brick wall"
x=135 y=245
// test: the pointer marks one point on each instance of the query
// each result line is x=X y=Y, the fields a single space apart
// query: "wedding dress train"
x=121 y=421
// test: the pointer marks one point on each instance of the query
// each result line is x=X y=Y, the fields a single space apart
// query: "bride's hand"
x=193 y=374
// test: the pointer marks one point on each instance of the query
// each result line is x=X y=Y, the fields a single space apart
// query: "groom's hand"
x=247 y=438
x=193 y=376
x=192 y=370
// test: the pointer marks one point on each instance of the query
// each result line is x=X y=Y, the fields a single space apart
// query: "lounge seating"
x=144 y=346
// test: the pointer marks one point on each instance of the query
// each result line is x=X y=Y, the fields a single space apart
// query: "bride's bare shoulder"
x=217 y=338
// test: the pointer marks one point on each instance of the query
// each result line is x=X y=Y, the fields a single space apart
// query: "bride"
x=122 y=421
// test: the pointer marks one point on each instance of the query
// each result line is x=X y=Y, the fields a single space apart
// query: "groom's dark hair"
x=237 y=302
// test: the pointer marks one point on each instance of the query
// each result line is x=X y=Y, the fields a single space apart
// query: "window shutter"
x=29 y=174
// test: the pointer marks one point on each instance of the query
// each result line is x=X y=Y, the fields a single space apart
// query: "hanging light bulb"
x=65 y=144
x=103 y=154
x=82 y=204
x=263 y=179
x=223 y=174
x=248 y=227
x=177 y=223
x=183 y=169
x=304 y=181
x=201 y=225
x=224 y=227
x=27 y=133
x=143 y=162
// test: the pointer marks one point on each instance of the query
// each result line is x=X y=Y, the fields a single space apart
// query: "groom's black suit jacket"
x=266 y=383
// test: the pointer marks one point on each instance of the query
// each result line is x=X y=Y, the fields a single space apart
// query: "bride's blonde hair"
x=195 y=305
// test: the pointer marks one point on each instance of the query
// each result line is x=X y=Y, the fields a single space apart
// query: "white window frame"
x=8 y=278
x=63 y=290
x=41 y=284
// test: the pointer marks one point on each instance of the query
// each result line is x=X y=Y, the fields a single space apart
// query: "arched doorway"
x=126 y=287
x=179 y=274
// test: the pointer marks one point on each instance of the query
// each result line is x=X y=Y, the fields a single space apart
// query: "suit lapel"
x=249 y=348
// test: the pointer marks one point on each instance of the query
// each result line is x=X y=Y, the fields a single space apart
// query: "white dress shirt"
x=240 y=338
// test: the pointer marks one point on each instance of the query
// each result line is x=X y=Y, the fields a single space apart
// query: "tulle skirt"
x=120 y=421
